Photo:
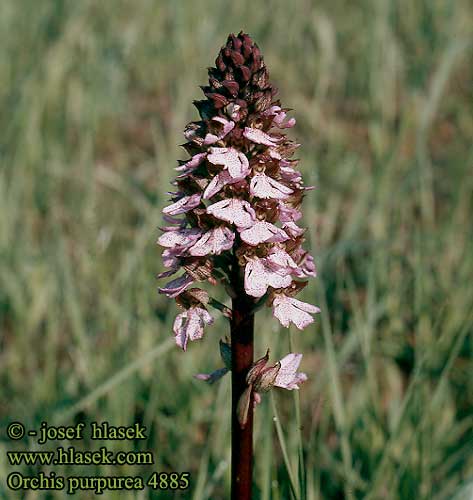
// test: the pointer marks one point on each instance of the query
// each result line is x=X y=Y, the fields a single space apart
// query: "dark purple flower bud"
x=236 y=42
x=231 y=86
x=219 y=63
x=245 y=73
x=218 y=99
x=237 y=58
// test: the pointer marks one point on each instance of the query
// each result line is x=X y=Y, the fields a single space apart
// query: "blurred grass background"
x=93 y=100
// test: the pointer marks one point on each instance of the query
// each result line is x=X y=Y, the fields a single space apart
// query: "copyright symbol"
x=15 y=430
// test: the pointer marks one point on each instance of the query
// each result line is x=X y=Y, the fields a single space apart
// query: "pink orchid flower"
x=259 y=276
x=289 y=310
x=177 y=237
x=213 y=242
x=235 y=211
x=259 y=137
x=263 y=232
x=189 y=325
x=235 y=162
x=183 y=205
x=265 y=187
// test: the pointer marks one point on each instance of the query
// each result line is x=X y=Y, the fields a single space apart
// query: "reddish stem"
x=242 y=327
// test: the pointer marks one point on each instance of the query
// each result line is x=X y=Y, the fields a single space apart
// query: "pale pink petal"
x=263 y=232
x=276 y=280
x=170 y=258
x=265 y=187
x=180 y=331
x=288 y=377
x=289 y=124
x=256 y=284
x=183 y=205
x=279 y=120
x=198 y=318
x=191 y=165
x=258 y=277
x=259 y=137
x=189 y=325
x=177 y=286
x=216 y=184
x=213 y=242
x=232 y=160
x=179 y=237
x=235 y=211
x=289 y=310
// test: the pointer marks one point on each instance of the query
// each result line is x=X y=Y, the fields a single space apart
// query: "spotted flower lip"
x=235 y=211
x=266 y=187
x=235 y=162
x=290 y=310
x=179 y=237
x=259 y=276
x=189 y=325
x=259 y=137
x=263 y=232
x=213 y=242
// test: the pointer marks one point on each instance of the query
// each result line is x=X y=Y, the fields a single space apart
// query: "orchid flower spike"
x=237 y=198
